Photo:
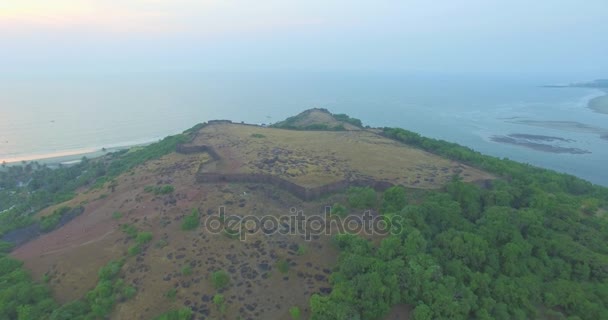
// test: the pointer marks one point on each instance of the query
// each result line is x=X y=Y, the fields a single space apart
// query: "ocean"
x=50 y=115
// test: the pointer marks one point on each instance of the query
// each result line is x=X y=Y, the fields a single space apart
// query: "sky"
x=541 y=36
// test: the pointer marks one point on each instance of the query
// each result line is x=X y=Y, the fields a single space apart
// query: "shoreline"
x=68 y=157
x=599 y=104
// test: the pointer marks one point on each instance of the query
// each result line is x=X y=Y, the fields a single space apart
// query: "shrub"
x=165 y=189
x=143 y=237
x=283 y=266
x=220 y=279
x=301 y=250
x=171 y=294
x=295 y=313
x=129 y=229
x=158 y=190
x=181 y=314
x=162 y=243
x=339 y=210
x=187 y=270
x=50 y=222
x=116 y=215
x=129 y=292
x=191 y=221
x=110 y=270
x=219 y=301
x=134 y=250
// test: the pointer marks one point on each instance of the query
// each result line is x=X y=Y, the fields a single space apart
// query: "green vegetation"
x=116 y=215
x=220 y=279
x=181 y=314
x=362 y=198
x=283 y=266
x=339 y=210
x=191 y=221
x=50 y=222
x=20 y=297
x=99 y=302
x=186 y=270
x=159 y=190
x=511 y=251
x=143 y=237
x=134 y=250
x=220 y=302
x=302 y=250
x=171 y=294
x=345 y=118
x=295 y=313
x=129 y=230
x=301 y=122
x=26 y=189
x=162 y=243
x=258 y=135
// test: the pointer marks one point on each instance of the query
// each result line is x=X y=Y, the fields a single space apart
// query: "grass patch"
x=302 y=249
x=186 y=270
x=171 y=294
x=129 y=230
x=295 y=313
x=134 y=250
x=283 y=266
x=191 y=221
x=116 y=215
x=220 y=279
x=144 y=237
x=181 y=314
x=159 y=190
x=220 y=302
x=161 y=243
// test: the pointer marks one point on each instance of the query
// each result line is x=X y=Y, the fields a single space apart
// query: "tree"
x=394 y=199
x=362 y=198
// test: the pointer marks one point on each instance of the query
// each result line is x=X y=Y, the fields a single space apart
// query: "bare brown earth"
x=72 y=255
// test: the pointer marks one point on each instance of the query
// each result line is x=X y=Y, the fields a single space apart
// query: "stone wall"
x=299 y=191
x=191 y=149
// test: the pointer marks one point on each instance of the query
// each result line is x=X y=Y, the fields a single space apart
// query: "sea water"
x=48 y=115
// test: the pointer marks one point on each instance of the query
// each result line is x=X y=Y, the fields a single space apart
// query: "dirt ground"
x=70 y=257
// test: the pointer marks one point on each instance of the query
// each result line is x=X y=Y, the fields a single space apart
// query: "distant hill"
x=320 y=119
x=599 y=83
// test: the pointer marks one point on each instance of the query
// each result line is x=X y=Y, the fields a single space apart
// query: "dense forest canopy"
x=532 y=244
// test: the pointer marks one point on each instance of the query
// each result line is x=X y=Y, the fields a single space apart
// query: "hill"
x=199 y=226
x=319 y=119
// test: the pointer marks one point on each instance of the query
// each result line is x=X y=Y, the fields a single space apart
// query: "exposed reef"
x=534 y=142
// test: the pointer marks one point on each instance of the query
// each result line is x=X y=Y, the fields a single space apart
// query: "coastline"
x=599 y=104
x=68 y=157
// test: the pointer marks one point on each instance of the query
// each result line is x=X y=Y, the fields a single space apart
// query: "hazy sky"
x=410 y=35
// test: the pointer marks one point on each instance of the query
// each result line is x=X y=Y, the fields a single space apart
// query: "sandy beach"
x=65 y=157
x=599 y=104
